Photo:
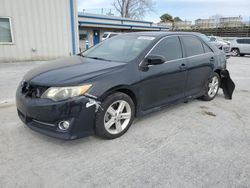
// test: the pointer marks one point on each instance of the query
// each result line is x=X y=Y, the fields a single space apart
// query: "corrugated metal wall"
x=41 y=25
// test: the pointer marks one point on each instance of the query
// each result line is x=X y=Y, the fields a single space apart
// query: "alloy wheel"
x=235 y=52
x=117 y=117
x=213 y=87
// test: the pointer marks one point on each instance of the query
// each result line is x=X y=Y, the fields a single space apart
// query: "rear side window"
x=247 y=41
x=192 y=45
x=240 y=41
x=170 y=48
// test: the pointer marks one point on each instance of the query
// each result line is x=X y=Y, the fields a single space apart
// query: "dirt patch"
x=204 y=107
x=204 y=112
x=244 y=91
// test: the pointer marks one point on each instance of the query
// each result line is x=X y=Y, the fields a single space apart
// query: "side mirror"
x=155 y=60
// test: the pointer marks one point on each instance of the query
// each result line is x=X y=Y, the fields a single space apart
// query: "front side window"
x=5 y=30
x=192 y=45
x=120 y=48
x=170 y=48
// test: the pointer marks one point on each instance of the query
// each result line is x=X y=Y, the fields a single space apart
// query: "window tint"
x=5 y=30
x=207 y=49
x=247 y=41
x=120 y=48
x=105 y=35
x=112 y=35
x=192 y=45
x=240 y=41
x=212 y=39
x=170 y=48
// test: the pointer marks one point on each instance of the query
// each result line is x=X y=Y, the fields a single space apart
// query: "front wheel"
x=116 y=117
x=212 y=88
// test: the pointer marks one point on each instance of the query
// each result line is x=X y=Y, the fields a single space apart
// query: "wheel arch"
x=218 y=71
x=124 y=89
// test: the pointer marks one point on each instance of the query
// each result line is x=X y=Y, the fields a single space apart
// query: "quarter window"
x=192 y=45
x=247 y=41
x=170 y=48
x=5 y=30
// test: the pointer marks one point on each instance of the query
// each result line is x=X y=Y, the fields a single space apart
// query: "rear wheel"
x=116 y=117
x=235 y=52
x=212 y=88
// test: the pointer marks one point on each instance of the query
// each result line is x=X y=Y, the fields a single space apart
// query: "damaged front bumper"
x=44 y=115
x=227 y=84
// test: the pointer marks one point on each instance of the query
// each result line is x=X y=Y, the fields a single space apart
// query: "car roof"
x=242 y=38
x=161 y=33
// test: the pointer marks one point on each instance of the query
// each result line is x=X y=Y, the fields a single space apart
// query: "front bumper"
x=43 y=115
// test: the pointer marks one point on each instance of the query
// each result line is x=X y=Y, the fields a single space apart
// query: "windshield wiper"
x=98 y=58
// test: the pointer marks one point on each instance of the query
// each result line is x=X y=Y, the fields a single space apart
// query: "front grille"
x=32 y=91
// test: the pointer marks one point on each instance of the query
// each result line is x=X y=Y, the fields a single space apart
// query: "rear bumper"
x=43 y=115
x=227 y=84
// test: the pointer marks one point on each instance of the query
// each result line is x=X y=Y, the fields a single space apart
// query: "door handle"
x=211 y=58
x=182 y=66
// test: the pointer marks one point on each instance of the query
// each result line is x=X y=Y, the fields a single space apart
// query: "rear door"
x=200 y=60
x=240 y=45
x=245 y=46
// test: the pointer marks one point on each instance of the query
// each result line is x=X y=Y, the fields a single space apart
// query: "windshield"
x=120 y=48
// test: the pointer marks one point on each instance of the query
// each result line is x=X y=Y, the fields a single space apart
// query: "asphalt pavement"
x=194 y=144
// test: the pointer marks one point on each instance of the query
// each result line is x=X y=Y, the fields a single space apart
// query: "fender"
x=227 y=84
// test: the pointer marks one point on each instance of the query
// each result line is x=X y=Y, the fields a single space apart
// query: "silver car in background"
x=240 y=46
x=221 y=44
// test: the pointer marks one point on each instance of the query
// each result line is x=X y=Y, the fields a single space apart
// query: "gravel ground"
x=195 y=144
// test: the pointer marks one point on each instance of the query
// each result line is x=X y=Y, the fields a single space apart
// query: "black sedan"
x=102 y=90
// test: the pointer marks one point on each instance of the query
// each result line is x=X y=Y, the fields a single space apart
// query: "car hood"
x=70 y=71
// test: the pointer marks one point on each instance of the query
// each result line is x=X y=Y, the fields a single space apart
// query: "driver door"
x=164 y=83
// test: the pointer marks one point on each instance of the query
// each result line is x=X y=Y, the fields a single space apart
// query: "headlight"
x=62 y=93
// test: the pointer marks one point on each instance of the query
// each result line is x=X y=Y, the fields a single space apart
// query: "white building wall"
x=41 y=25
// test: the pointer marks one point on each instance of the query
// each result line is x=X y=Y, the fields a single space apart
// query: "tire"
x=235 y=52
x=110 y=123
x=212 y=87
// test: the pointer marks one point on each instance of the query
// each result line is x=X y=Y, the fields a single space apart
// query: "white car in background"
x=107 y=35
x=221 y=44
x=240 y=46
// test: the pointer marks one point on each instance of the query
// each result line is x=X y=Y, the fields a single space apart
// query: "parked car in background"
x=107 y=35
x=103 y=89
x=240 y=46
x=221 y=44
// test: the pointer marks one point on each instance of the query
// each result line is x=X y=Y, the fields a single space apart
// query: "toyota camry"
x=101 y=90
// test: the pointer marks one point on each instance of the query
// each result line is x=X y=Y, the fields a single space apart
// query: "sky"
x=185 y=9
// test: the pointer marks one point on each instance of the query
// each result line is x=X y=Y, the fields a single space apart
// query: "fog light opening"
x=63 y=125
